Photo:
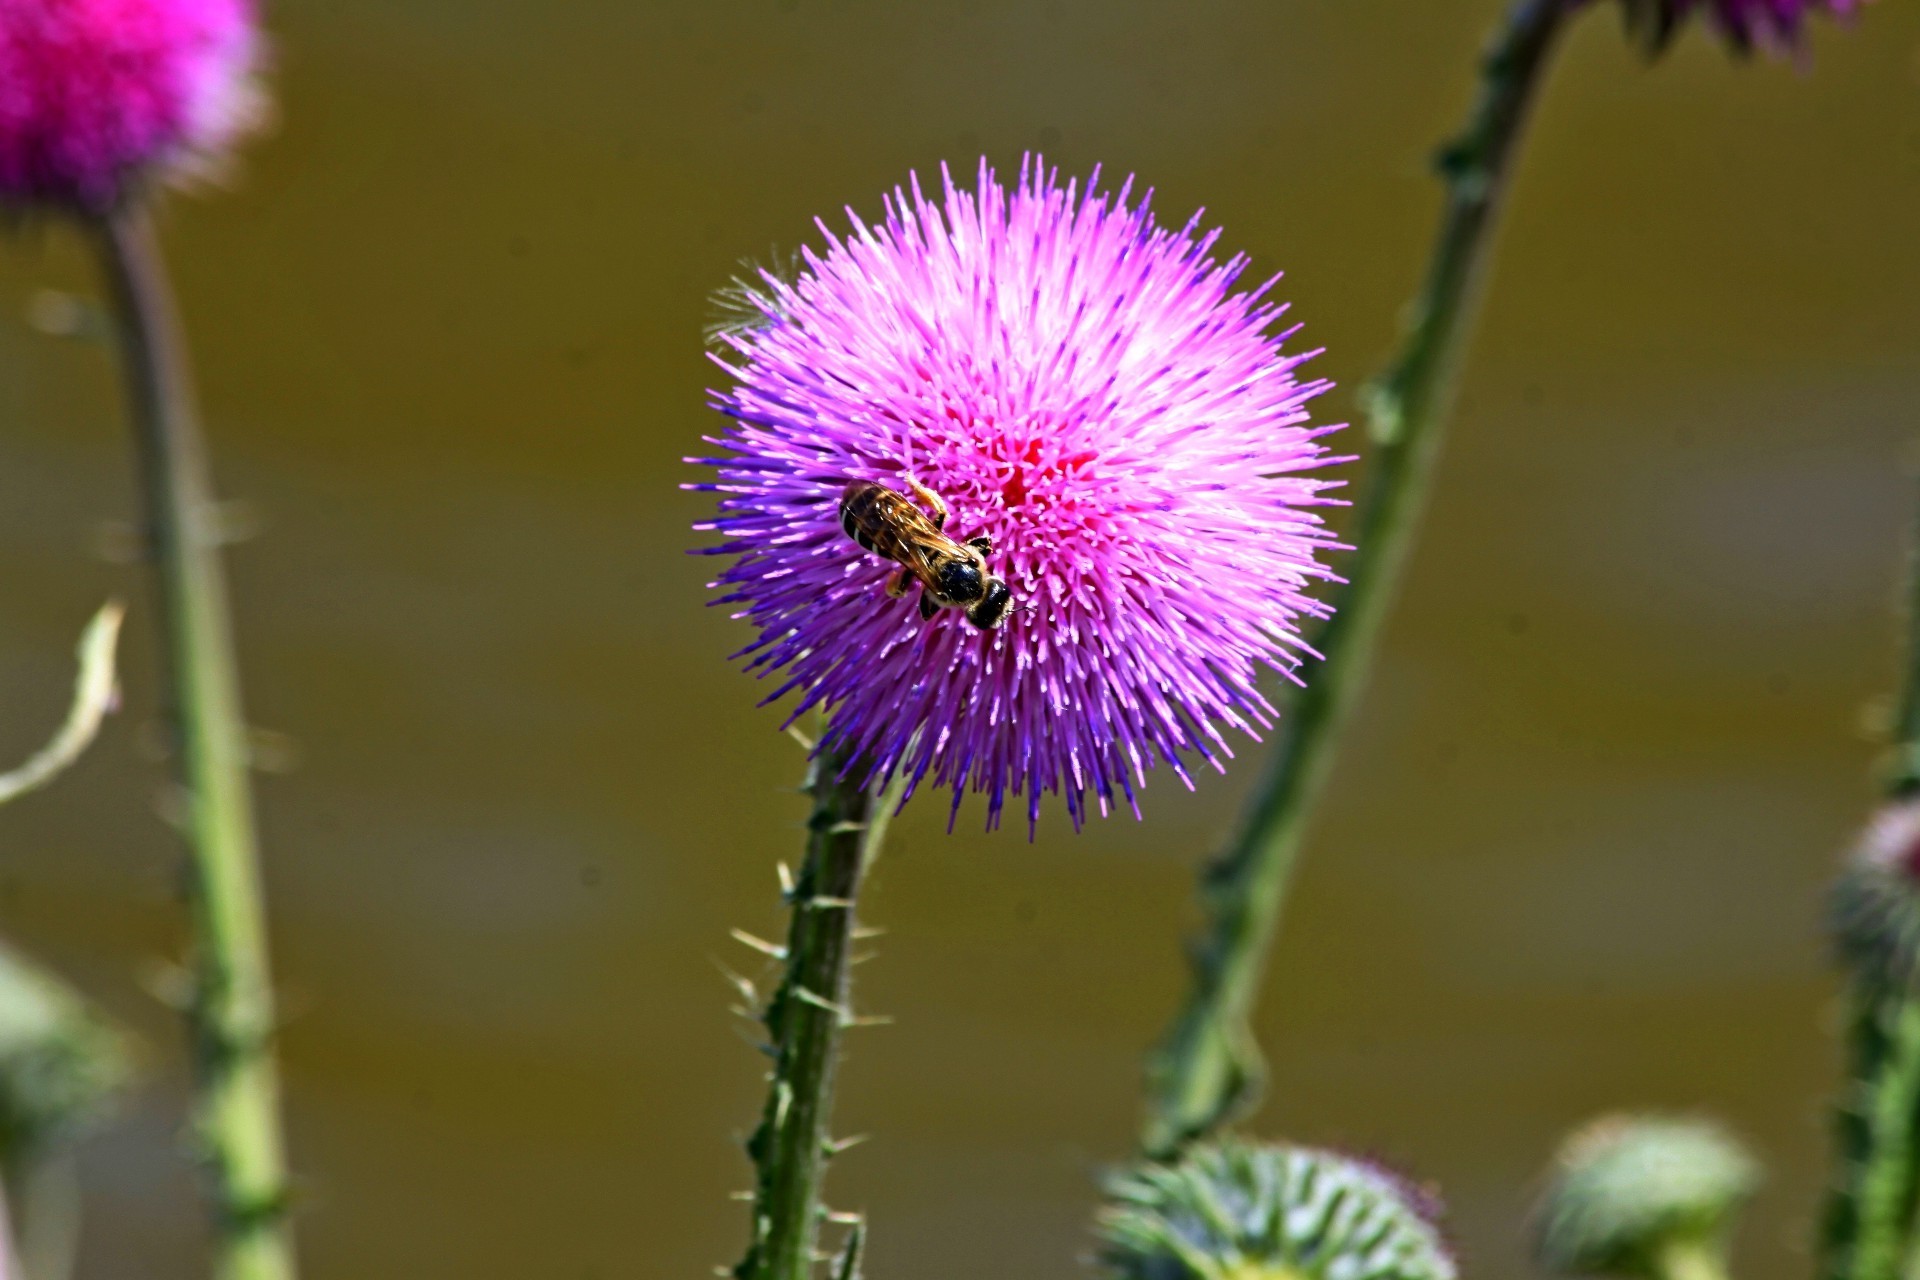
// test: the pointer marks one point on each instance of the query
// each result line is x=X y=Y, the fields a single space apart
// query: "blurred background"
x=448 y=327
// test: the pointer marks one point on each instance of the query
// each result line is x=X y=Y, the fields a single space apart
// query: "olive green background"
x=448 y=325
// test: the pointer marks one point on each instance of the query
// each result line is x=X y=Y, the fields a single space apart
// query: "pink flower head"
x=1083 y=387
x=94 y=93
x=1774 y=24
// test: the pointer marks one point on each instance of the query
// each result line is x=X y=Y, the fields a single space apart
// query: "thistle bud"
x=60 y=1061
x=1245 y=1211
x=1875 y=907
x=1630 y=1195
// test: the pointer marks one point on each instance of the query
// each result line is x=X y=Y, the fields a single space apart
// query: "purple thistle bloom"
x=1774 y=24
x=96 y=93
x=1082 y=386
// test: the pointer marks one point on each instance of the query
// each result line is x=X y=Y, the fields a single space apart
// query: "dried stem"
x=1208 y=1068
x=237 y=1115
x=804 y=1019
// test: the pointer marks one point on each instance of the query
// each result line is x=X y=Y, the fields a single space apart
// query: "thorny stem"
x=804 y=1019
x=1869 y=1230
x=1870 y=1215
x=1208 y=1069
x=237 y=1107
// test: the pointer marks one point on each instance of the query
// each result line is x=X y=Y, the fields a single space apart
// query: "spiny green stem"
x=805 y=1018
x=237 y=1103
x=1208 y=1068
x=1870 y=1216
x=1869 y=1229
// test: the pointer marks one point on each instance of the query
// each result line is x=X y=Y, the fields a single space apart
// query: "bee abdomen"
x=864 y=507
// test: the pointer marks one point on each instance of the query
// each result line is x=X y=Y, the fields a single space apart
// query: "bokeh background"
x=448 y=326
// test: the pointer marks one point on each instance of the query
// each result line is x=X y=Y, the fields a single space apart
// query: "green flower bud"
x=1640 y=1196
x=1244 y=1211
x=1875 y=913
x=60 y=1061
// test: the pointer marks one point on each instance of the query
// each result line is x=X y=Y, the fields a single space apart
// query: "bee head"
x=960 y=581
x=991 y=610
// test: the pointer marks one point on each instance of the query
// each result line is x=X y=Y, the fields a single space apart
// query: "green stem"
x=805 y=1019
x=1207 y=1069
x=237 y=1107
x=1869 y=1229
x=1903 y=778
x=1690 y=1258
x=1870 y=1215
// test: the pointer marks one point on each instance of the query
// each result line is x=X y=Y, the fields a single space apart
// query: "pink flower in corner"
x=1084 y=388
x=1776 y=24
x=95 y=94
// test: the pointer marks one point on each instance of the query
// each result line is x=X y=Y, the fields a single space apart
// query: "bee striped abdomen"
x=884 y=522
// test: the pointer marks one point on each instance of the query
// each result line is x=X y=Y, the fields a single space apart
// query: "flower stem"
x=1869 y=1230
x=1208 y=1069
x=804 y=1019
x=237 y=1107
x=1869 y=1225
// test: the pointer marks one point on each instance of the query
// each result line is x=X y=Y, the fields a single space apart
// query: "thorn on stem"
x=758 y=944
x=748 y=992
x=841 y=1012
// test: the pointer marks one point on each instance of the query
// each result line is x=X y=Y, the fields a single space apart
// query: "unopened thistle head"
x=1626 y=1190
x=1238 y=1210
x=61 y=1062
x=98 y=95
x=1875 y=913
x=1772 y=24
x=1085 y=392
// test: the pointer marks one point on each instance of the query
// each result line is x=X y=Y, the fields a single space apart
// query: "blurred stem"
x=804 y=1019
x=1208 y=1069
x=1869 y=1229
x=1690 y=1258
x=1870 y=1218
x=1903 y=777
x=231 y=1012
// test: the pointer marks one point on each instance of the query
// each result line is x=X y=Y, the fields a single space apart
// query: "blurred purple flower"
x=1083 y=386
x=96 y=93
x=1774 y=24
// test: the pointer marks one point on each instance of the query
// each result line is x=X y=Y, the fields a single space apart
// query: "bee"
x=952 y=575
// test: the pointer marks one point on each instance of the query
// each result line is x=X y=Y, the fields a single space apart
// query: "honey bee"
x=952 y=575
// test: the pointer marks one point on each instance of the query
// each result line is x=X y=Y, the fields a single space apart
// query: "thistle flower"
x=1773 y=24
x=1633 y=1195
x=97 y=94
x=1081 y=386
x=1875 y=912
x=1245 y=1211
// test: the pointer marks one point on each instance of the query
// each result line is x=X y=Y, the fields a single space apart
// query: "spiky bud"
x=1630 y=1192
x=60 y=1060
x=1875 y=907
x=1239 y=1210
